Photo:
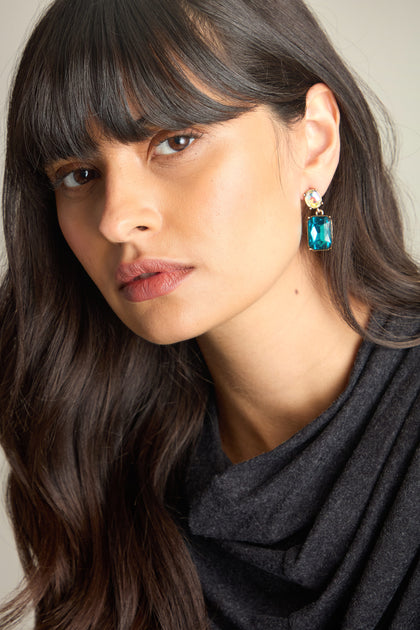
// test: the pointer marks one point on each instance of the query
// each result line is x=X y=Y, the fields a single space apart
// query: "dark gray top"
x=323 y=531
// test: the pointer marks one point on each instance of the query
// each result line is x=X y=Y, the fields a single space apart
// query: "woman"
x=209 y=425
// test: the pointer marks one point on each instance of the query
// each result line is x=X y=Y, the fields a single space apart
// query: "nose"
x=131 y=199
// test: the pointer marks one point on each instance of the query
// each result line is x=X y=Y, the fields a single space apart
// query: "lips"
x=147 y=279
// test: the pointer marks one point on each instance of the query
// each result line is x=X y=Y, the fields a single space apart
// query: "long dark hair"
x=98 y=424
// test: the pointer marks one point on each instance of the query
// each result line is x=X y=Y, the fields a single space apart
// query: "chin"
x=162 y=334
x=164 y=339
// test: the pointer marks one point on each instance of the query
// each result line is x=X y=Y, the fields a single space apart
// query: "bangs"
x=128 y=67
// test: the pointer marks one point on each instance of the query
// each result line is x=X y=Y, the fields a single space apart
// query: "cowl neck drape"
x=322 y=531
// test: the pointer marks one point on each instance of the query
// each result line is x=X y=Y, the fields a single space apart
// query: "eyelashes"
x=73 y=176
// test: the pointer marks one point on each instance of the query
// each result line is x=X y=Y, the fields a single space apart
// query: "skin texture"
x=228 y=203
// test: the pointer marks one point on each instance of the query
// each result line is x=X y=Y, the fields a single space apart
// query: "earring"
x=320 y=228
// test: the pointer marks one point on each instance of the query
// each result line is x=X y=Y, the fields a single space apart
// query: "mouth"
x=149 y=279
x=144 y=276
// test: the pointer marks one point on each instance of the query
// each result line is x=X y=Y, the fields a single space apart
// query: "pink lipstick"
x=147 y=279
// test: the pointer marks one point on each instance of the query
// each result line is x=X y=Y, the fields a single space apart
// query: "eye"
x=79 y=177
x=174 y=144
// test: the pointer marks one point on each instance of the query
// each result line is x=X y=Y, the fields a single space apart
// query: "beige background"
x=380 y=40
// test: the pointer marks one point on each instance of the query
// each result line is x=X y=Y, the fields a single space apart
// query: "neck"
x=276 y=367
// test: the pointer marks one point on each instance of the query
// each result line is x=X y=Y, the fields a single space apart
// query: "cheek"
x=245 y=213
x=79 y=239
x=74 y=236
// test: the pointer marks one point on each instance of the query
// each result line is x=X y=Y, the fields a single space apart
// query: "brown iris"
x=177 y=143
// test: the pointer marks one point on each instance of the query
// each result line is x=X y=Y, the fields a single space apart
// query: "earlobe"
x=322 y=122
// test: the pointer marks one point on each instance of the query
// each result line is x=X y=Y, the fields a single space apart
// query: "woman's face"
x=186 y=231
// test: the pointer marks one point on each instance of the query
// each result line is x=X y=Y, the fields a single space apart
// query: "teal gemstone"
x=319 y=232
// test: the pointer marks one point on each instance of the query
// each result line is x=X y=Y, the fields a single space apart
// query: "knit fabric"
x=323 y=531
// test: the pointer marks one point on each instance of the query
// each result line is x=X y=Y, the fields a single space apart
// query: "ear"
x=321 y=129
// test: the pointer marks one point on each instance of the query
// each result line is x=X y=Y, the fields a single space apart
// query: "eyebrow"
x=56 y=163
x=145 y=130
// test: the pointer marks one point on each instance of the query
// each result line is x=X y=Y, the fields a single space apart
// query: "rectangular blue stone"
x=319 y=232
